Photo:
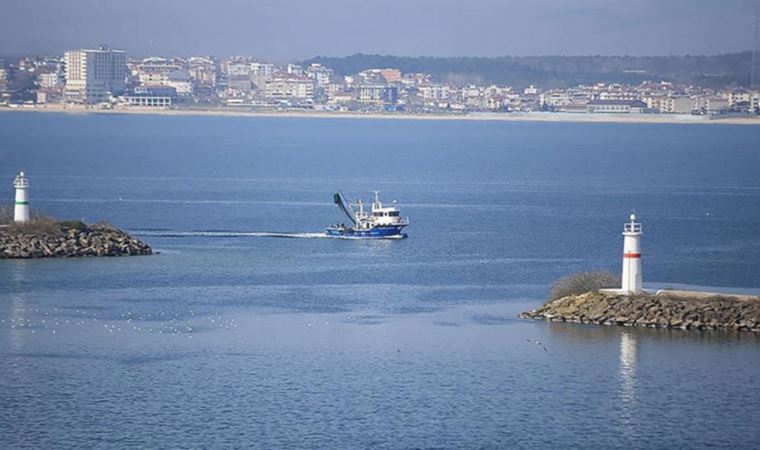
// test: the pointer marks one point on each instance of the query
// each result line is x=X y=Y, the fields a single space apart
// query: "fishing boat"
x=381 y=222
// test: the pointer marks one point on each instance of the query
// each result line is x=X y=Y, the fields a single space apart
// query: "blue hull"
x=382 y=232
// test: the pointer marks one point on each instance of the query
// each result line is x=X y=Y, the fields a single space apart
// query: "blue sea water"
x=231 y=337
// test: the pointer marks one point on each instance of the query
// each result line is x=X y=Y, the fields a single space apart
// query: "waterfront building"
x=294 y=69
x=700 y=103
x=391 y=75
x=659 y=103
x=49 y=95
x=260 y=73
x=416 y=79
x=156 y=70
x=50 y=80
x=202 y=70
x=555 y=99
x=616 y=106
x=496 y=91
x=335 y=87
x=239 y=75
x=471 y=91
x=158 y=95
x=377 y=76
x=94 y=74
x=717 y=105
x=681 y=105
x=153 y=77
x=148 y=101
x=378 y=94
x=263 y=69
x=434 y=92
x=320 y=74
x=340 y=97
x=180 y=80
x=497 y=102
x=573 y=107
x=157 y=90
x=740 y=96
x=284 y=86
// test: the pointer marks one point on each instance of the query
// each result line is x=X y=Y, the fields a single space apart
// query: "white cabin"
x=379 y=215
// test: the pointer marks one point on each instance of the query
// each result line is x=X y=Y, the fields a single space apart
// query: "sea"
x=249 y=329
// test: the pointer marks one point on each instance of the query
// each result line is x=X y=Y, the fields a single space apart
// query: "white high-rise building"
x=91 y=75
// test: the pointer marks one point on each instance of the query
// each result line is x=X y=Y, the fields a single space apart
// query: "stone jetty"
x=665 y=309
x=67 y=239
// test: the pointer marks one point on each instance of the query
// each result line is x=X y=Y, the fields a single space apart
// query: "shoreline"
x=479 y=116
x=67 y=239
x=686 y=310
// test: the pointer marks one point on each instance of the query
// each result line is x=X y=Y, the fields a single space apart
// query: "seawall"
x=60 y=241
x=684 y=310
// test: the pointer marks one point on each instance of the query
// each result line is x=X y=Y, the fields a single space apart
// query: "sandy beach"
x=478 y=116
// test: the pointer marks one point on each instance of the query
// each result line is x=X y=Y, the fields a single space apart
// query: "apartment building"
x=92 y=75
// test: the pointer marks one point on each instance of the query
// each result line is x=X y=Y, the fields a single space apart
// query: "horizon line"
x=5 y=55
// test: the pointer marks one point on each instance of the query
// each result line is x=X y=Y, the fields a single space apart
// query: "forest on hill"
x=723 y=70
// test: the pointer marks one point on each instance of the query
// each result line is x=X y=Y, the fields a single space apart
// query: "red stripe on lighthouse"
x=631 y=255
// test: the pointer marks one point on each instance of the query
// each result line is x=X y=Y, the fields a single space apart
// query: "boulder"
x=666 y=310
x=93 y=240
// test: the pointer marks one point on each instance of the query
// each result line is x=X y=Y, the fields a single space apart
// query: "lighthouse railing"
x=21 y=182
x=632 y=227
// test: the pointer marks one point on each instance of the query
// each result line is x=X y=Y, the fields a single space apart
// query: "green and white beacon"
x=21 y=211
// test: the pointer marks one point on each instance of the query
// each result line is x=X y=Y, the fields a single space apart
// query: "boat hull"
x=379 y=232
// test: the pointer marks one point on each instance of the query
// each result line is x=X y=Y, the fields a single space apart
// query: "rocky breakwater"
x=67 y=239
x=682 y=309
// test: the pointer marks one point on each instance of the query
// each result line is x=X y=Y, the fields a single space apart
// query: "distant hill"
x=729 y=69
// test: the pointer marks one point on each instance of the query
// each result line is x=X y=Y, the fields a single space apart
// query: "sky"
x=290 y=30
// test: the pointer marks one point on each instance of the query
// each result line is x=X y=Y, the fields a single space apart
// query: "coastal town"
x=107 y=79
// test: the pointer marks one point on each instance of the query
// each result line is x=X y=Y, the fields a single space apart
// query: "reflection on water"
x=628 y=368
x=627 y=378
x=583 y=333
x=18 y=305
x=629 y=402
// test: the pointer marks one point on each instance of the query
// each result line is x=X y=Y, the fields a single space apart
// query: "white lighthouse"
x=632 y=280
x=21 y=211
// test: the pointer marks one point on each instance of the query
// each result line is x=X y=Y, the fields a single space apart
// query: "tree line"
x=716 y=71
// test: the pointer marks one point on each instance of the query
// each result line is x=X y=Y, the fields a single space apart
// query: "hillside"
x=730 y=69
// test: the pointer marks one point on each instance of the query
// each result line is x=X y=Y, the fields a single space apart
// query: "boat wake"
x=227 y=234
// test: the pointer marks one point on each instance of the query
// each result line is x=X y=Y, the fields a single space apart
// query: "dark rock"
x=93 y=240
x=666 y=310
